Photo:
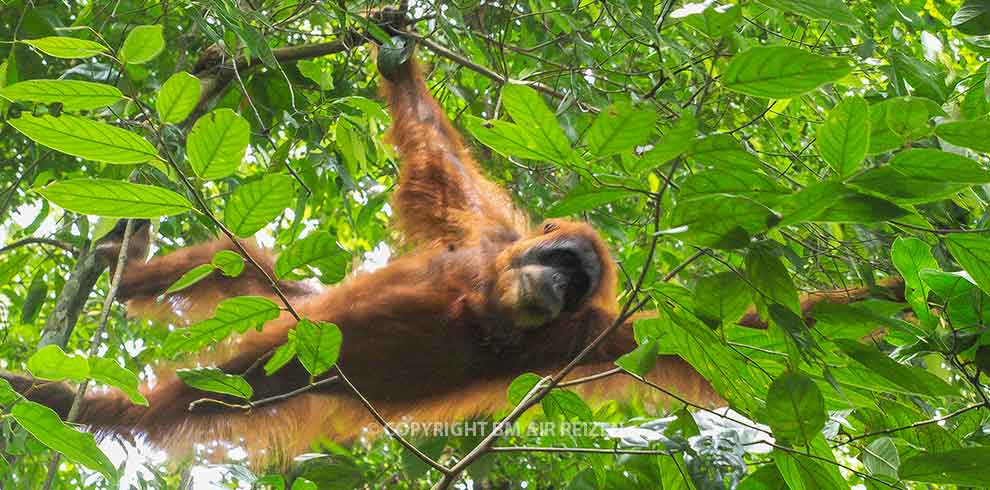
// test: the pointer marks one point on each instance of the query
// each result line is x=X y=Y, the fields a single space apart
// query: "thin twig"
x=41 y=241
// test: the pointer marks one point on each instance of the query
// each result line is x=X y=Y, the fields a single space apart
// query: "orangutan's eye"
x=548 y=227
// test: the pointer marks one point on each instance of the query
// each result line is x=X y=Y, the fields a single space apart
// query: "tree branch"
x=41 y=241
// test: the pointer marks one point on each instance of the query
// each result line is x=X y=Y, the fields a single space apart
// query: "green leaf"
x=566 y=405
x=907 y=117
x=722 y=151
x=677 y=139
x=84 y=138
x=911 y=379
x=238 y=314
x=217 y=143
x=191 y=277
x=317 y=345
x=770 y=281
x=74 y=95
x=805 y=473
x=115 y=199
x=795 y=408
x=316 y=72
x=844 y=138
x=974 y=135
x=922 y=175
x=910 y=256
x=283 y=354
x=229 y=262
x=78 y=447
x=505 y=138
x=214 y=380
x=964 y=466
x=584 y=200
x=720 y=297
x=973 y=254
x=831 y=10
x=143 y=43
x=781 y=72
x=108 y=372
x=528 y=110
x=926 y=78
x=641 y=360
x=66 y=47
x=319 y=250
x=619 y=128
x=881 y=459
x=36 y=296
x=257 y=203
x=51 y=363
x=521 y=386
x=178 y=97
x=973 y=18
x=735 y=181
x=720 y=221
x=832 y=202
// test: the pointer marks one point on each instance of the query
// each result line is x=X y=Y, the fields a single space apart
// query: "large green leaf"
x=528 y=110
x=229 y=262
x=108 y=372
x=115 y=199
x=214 y=380
x=317 y=345
x=178 y=97
x=973 y=253
x=74 y=95
x=722 y=151
x=881 y=459
x=143 y=43
x=926 y=78
x=735 y=181
x=584 y=200
x=795 y=408
x=964 y=466
x=508 y=139
x=257 y=203
x=831 y=10
x=971 y=134
x=191 y=277
x=237 y=314
x=319 y=250
x=922 y=175
x=78 y=447
x=909 y=378
x=844 y=138
x=50 y=362
x=781 y=72
x=911 y=256
x=720 y=221
x=720 y=297
x=641 y=360
x=66 y=47
x=217 y=143
x=619 y=128
x=832 y=202
x=85 y=138
x=973 y=18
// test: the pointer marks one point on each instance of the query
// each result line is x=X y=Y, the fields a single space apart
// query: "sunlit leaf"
x=257 y=203
x=229 y=262
x=79 y=447
x=528 y=110
x=115 y=199
x=780 y=72
x=619 y=128
x=845 y=136
x=51 y=363
x=86 y=138
x=238 y=314
x=317 y=345
x=217 y=143
x=831 y=10
x=74 y=95
x=66 y=47
x=143 y=43
x=320 y=251
x=178 y=97
x=191 y=277
x=963 y=466
x=108 y=372
x=214 y=380
x=795 y=408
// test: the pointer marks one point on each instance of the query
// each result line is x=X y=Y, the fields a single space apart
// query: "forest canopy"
x=731 y=153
